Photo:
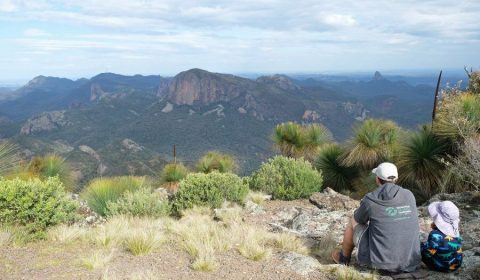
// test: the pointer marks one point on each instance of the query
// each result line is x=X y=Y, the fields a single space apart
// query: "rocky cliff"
x=198 y=86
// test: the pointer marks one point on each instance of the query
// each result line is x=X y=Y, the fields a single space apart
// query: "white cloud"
x=34 y=32
x=338 y=20
x=7 y=6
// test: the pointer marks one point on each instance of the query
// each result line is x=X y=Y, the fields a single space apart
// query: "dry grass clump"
x=66 y=234
x=201 y=237
x=253 y=242
x=142 y=242
x=257 y=197
x=97 y=260
x=6 y=237
x=291 y=243
x=138 y=235
x=229 y=214
x=342 y=272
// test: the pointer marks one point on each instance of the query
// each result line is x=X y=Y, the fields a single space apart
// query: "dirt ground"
x=47 y=260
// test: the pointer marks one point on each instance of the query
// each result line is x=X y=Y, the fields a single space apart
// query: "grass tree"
x=421 y=165
x=373 y=141
x=335 y=174
x=216 y=161
x=173 y=173
x=8 y=157
x=295 y=140
x=51 y=166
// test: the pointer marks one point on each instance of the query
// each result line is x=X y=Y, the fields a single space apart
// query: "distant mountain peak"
x=203 y=87
x=279 y=80
x=378 y=76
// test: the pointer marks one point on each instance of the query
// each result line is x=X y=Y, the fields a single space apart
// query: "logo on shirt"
x=401 y=211
x=391 y=211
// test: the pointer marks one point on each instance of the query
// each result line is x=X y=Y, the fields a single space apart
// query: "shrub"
x=35 y=204
x=458 y=115
x=209 y=190
x=467 y=164
x=101 y=191
x=215 y=161
x=287 y=178
x=142 y=202
x=173 y=173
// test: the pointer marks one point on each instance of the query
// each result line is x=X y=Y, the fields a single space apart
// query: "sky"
x=81 y=38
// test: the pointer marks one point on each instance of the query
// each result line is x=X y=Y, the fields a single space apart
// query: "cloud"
x=7 y=6
x=337 y=20
x=34 y=32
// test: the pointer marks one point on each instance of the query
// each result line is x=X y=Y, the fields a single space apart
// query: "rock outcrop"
x=328 y=219
x=46 y=121
x=199 y=86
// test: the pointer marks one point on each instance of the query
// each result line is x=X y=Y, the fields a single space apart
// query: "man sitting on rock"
x=384 y=228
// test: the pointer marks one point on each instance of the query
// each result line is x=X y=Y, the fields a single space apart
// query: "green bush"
x=215 y=161
x=101 y=191
x=209 y=190
x=35 y=204
x=142 y=202
x=173 y=173
x=287 y=178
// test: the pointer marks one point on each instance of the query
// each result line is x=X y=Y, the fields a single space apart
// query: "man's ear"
x=377 y=181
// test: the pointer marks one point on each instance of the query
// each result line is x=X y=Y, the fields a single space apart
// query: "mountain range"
x=113 y=124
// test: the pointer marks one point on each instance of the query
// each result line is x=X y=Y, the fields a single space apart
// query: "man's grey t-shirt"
x=391 y=241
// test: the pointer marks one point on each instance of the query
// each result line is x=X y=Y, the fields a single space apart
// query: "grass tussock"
x=291 y=243
x=66 y=234
x=98 y=259
x=6 y=237
x=257 y=197
x=141 y=242
x=342 y=272
x=253 y=243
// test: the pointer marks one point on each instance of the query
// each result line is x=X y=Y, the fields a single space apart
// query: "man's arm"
x=361 y=215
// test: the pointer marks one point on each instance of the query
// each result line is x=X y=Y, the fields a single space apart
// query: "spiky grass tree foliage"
x=458 y=115
x=295 y=140
x=8 y=157
x=335 y=175
x=216 y=161
x=100 y=192
x=50 y=166
x=421 y=165
x=173 y=173
x=374 y=141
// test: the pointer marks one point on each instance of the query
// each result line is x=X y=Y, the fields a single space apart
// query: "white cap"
x=386 y=171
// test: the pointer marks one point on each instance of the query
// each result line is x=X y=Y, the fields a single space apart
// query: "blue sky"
x=83 y=38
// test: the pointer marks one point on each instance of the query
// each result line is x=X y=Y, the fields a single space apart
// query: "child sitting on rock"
x=443 y=249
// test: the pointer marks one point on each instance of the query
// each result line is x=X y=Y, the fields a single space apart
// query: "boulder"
x=331 y=200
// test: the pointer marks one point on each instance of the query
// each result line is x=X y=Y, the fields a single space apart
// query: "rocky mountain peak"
x=197 y=86
x=281 y=81
x=378 y=76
